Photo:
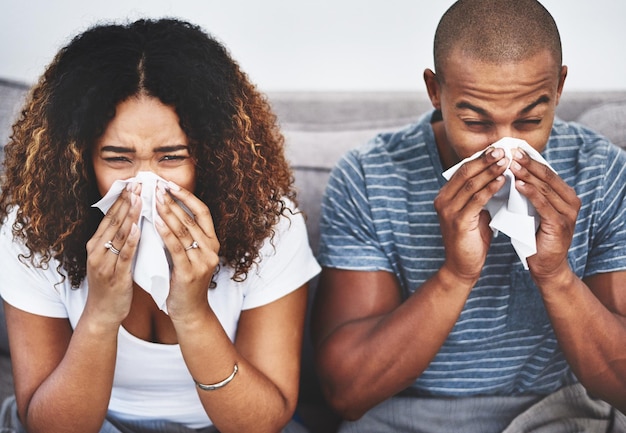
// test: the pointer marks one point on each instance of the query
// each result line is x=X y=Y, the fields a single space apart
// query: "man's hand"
x=557 y=205
x=464 y=224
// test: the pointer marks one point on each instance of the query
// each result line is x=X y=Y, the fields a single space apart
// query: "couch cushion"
x=608 y=119
x=12 y=96
x=312 y=155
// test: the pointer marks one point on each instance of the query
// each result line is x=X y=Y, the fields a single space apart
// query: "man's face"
x=483 y=102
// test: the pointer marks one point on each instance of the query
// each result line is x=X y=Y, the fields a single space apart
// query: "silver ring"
x=193 y=246
x=109 y=246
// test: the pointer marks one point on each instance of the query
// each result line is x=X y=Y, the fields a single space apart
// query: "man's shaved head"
x=496 y=31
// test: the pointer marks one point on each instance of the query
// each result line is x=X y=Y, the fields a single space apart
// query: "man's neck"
x=447 y=156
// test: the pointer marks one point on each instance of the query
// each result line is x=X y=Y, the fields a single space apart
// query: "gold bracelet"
x=218 y=385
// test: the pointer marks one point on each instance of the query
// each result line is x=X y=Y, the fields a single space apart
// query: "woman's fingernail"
x=519 y=154
x=173 y=186
x=159 y=221
x=161 y=185
x=160 y=196
x=133 y=229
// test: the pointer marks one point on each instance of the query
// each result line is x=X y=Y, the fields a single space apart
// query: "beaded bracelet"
x=218 y=385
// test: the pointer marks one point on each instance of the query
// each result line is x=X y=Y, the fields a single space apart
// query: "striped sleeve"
x=608 y=252
x=348 y=235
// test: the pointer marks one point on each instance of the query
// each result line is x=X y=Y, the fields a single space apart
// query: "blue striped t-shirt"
x=378 y=214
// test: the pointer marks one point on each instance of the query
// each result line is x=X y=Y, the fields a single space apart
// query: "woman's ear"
x=433 y=87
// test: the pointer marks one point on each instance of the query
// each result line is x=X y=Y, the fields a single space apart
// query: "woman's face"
x=144 y=135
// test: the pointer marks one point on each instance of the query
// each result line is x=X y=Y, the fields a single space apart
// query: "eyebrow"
x=117 y=149
x=463 y=105
x=544 y=99
x=162 y=149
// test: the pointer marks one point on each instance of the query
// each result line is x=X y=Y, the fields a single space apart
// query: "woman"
x=160 y=106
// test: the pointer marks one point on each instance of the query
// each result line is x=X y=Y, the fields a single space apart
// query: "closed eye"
x=116 y=159
x=174 y=158
x=527 y=124
x=477 y=124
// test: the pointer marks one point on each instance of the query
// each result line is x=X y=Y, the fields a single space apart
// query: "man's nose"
x=504 y=131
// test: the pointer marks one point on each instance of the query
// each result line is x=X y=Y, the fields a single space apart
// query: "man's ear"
x=562 y=77
x=433 y=87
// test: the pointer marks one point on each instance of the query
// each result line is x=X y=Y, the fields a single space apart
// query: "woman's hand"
x=110 y=255
x=193 y=246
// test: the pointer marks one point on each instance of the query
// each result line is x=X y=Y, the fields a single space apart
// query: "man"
x=427 y=321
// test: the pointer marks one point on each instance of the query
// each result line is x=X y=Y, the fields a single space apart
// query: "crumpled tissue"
x=151 y=267
x=511 y=213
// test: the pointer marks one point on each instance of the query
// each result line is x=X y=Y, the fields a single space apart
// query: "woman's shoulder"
x=286 y=260
x=10 y=240
x=290 y=226
x=27 y=280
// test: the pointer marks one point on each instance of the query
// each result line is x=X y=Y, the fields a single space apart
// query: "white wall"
x=317 y=44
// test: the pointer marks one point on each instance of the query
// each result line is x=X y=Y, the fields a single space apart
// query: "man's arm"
x=588 y=317
x=369 y=344
x=590 y=323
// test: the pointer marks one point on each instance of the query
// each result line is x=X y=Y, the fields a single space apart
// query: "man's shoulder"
x=585 y=159
x=580 y=141
x=564 y=132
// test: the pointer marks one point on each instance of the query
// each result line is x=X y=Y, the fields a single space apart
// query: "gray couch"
x=319 y=127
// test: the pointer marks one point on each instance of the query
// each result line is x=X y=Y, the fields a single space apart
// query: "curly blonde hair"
x=241 y=174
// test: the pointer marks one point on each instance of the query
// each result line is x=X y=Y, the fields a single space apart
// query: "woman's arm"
x=262 y=396
x=63 y=379
x=263 y=393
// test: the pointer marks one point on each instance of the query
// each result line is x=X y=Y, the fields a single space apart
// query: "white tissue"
x=151 y=268
x=511 y=212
